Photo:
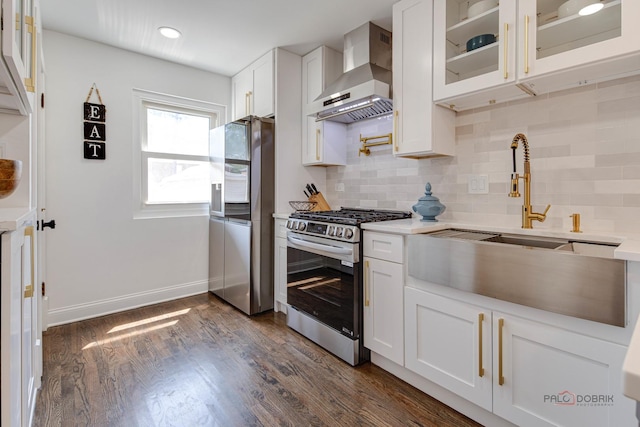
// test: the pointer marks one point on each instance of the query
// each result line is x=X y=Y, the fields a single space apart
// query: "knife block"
x=321 y=203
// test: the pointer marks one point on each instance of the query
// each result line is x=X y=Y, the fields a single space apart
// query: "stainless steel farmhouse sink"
x=575 y=278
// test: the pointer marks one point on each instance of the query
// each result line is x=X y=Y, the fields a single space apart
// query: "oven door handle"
x=327 y=248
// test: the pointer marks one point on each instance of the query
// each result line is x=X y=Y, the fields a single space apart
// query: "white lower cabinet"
x=555 y=377
x=449 y=343
x=526 y=372
x=383 y=288
x=280 y=266
x=20 y=346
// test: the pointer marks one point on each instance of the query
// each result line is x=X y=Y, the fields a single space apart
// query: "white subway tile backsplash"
x=570 y=162
x=630 y=186
x=585 y=158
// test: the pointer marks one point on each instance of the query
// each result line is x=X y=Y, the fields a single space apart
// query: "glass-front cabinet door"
x=19 y=36
x=486 y=51
x=556 y=35
x=474 y=46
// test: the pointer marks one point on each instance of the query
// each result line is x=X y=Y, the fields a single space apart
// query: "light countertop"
x=628 y=250
x=12 y=218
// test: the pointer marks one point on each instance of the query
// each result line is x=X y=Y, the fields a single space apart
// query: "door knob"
x=51 y=224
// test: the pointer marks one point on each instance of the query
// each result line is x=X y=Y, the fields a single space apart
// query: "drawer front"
x=383 y=246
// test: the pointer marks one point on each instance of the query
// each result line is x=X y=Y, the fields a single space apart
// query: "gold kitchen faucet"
x=527 y=214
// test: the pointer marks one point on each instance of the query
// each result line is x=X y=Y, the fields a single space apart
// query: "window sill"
x=171 y=211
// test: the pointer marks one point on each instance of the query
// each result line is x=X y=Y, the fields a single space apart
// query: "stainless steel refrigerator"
x=241 y=214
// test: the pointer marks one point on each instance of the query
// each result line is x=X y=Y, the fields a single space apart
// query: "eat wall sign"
x=94 y=128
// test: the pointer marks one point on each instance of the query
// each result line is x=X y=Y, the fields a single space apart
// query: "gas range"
x=325 y=277
x=342 y=225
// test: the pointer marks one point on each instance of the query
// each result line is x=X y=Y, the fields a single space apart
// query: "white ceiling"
x=222 y=36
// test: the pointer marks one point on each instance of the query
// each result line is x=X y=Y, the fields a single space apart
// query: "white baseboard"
x=92 y=309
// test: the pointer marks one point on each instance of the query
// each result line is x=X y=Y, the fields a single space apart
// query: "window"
x=172 y=157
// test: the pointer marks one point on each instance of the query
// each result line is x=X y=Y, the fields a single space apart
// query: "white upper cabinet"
x=420 y=127
x=561 y=49
x=537 y=49
x=253 y=88
x=460 y=71
x=323 y=143
x=18 y=65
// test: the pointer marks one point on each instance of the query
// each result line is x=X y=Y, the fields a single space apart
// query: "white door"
x=449 y=343
x=554 y=377
x=383 y=314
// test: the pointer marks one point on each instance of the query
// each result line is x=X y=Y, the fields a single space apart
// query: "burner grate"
x=351 y=216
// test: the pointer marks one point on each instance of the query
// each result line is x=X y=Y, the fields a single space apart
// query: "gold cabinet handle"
x=396 y=117
x=505 y=42
x=30 y=82
x=480 y=368
x=247 y=103
x=526 y=44
x=500 y=372
x=28 y=289
x=317 y=144
x=366 y=283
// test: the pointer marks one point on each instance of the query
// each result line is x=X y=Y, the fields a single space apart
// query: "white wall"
x=99 y=259
x=585 y=158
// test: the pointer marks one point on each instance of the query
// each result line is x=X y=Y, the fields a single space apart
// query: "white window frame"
x=141 y=100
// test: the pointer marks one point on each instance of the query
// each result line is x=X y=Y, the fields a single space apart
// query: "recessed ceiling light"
x=170 y=33
x=591 y=9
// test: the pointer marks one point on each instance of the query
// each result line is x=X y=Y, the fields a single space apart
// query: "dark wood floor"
x=199 y=362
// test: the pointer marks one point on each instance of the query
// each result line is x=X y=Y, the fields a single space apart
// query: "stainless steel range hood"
x=364 y=90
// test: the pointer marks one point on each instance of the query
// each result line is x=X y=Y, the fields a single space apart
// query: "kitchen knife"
x=309 y=189
x=315 y=190
x=305 y=193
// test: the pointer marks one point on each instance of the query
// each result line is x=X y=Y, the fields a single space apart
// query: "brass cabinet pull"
x=366 y=283
x=247 y=103
x=28 y=289
x=526 y=44
x=396 y=117
x=480 y=368
x=317 y=144
x=500 y=372
x=505 y=40
x=30 y=82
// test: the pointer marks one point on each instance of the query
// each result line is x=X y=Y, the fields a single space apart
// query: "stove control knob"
x=348 y=233
x=331 y=230
x=302 y=226
x=289 y=224
x=338 y=231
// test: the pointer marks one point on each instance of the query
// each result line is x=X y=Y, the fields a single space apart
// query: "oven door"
x=322 y=280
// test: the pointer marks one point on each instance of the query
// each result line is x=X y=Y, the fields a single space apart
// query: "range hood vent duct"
x=363 y=91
